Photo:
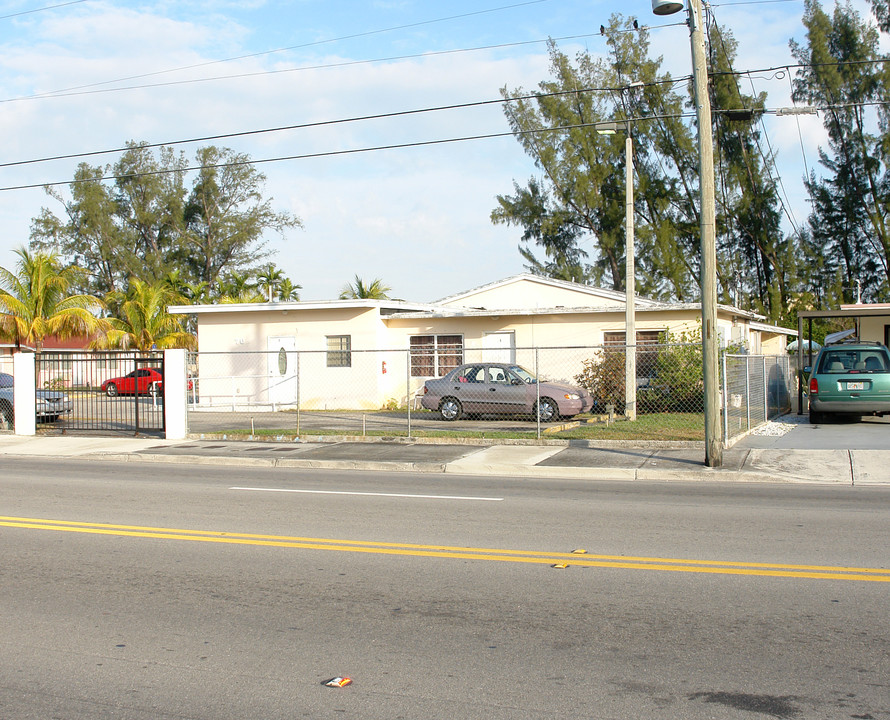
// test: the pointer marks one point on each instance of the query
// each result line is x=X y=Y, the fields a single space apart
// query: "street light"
x=630 y=331
x=710 y=361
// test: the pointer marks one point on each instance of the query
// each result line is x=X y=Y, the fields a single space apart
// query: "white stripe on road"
x=369 y=494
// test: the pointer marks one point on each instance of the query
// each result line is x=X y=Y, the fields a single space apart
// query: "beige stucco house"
x=365 y=353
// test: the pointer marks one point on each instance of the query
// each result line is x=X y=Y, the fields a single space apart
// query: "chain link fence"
x=341 y=391
x=756 y=388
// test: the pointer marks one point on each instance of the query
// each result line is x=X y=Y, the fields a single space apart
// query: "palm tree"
x=144 y=323
x=268 y=281
x=35 y=301
x=376 y=290
x=288 y=291
x=234 y=285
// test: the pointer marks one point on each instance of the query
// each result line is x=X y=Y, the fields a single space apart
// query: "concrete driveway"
x=870 y=433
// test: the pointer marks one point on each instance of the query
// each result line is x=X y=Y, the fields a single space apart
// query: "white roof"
x=566 y=298
x=477 y=295
x=394 y=305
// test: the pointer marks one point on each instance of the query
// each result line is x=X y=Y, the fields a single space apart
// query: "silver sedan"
x=502 y=388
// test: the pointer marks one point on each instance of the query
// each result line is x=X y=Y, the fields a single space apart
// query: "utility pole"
x=710 y=359
x=630 y=333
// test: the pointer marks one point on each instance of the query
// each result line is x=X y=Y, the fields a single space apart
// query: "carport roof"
x=863 y=310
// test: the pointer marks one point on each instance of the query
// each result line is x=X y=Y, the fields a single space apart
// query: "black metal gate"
x=112 y=393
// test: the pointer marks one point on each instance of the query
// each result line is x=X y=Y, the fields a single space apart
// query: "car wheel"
x=111 y=390
x=816 y=418
x=154 y=390
x=547 y=410
x=450 y=409
x=5 y=416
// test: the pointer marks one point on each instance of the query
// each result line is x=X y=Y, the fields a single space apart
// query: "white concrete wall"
x=25 y=394
x=175 y=394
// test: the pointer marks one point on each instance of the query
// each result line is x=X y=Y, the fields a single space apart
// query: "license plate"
x=855 y=386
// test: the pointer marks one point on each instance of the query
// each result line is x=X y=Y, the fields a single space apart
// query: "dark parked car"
x=851 y=379
x=49 y=405
x=501 y=388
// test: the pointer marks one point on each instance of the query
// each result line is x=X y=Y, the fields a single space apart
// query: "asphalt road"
x=168 y=591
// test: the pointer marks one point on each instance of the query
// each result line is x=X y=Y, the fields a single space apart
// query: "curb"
x=500 y=470
x=486 y=442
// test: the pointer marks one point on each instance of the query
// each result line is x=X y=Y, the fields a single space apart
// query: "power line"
x=753 y=2
x=74 y=92
x=295 y=47
x=36 y=10
x=325 y=123
x=333 y=153
x=785 y=201
x=301 y=68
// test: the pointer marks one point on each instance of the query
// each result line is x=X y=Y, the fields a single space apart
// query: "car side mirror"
x=807 y=369
x=516 y=381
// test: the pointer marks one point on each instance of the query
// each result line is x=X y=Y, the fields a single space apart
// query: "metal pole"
x=725 y=402
x=298 y=393
x=747 y=392
x=538 y=396
x=765 y=391
x=800 y=365
x=630 y=333
x=408 y=387
x=710 y=355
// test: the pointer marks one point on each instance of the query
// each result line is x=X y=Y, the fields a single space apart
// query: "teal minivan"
x=852 y=378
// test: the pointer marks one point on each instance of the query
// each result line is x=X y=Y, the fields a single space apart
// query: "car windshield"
x=853 y=360
x=6 y=380
x=524 y=374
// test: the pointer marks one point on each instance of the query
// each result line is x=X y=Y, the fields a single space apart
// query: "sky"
x=80 y=77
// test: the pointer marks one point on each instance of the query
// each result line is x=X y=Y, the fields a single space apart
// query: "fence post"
x=765 y=392
x=408 y=397
x=725 y=404
x=538 y=397
x=748 y=392
x=298 y=392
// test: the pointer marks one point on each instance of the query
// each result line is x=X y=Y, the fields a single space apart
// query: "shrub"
x=680 y=373
x=677 y=385
x=603 y=378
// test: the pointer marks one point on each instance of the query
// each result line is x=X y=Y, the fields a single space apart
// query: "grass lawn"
x=659 y=426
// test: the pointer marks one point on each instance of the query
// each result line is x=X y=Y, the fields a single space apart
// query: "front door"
x=499 y=347
x=282 y=370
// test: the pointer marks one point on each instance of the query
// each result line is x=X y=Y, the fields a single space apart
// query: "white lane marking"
x=369 y=494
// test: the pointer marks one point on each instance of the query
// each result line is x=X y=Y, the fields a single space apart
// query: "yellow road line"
x=720 y=567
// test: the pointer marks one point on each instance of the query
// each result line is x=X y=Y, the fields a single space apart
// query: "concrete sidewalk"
x=683 y=463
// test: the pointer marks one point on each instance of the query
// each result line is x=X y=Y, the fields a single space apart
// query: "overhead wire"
x=768 y=161
x=75 y=92
x=330 y=153
x=326 y=123
x=803 y=151
x=326 y=41
x=41 y=9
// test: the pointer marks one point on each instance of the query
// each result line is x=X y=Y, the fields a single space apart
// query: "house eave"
x=243 y=308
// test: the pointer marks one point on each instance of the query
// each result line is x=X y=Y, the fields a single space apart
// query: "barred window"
x=647 y=348
x=435 y=355
x=339 y=347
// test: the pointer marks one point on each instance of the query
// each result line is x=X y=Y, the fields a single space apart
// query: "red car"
x=150 y=382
